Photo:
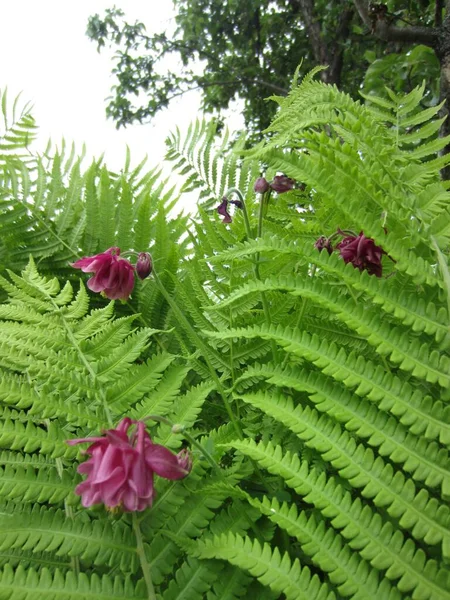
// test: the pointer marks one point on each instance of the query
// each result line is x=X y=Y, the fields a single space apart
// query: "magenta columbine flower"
x=222 y=209
x=113 y=275
x=362 y=253
x=144 y=265
x=281 y=184
x=121 y=468
x=261 y=185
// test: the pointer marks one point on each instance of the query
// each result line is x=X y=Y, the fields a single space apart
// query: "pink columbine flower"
x=121 y=468
x=113 y=275
x=222 y=209
x=362 y=253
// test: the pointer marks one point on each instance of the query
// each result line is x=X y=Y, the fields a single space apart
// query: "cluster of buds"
x=121 y=467
x=279 y=184
x=113 y=274
x=359 y=250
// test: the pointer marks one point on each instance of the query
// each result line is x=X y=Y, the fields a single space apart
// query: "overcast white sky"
x=46 y=55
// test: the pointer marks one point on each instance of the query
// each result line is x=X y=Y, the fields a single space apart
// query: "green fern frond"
x=425 y=460
x=352 y=575
x=368 y=379
x=42 y=486
x=379 y=543
x=424 y=516
x=95 y=542
x=43 y=584
x=267 y=565
x=192 y=580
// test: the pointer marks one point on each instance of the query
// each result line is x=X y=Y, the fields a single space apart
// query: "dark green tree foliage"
x=249 y=50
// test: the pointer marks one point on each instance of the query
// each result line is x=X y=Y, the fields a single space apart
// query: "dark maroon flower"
x=281 y=184
x=323 y=243
x=222 y=210
x=261 y=185
x=121 y=468
x=113 y=275
x=362 y=253
x=144 y=265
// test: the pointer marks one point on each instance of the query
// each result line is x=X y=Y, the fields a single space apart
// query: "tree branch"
x=342 y=33
x=381 y=28
x=438 y=13
x=313 y=26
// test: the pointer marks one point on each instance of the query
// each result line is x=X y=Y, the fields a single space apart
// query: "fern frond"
x=44 y=585
x=352 y=575
x=366 y=378
x=269 y=567
x=379 y=543
x=422 y=515
x=42 y=486
x=97 y=542
x=192 y=580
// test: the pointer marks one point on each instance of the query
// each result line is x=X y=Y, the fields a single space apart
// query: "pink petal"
x=164 y=463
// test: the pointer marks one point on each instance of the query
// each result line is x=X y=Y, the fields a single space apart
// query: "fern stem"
x=143 y=558
x=202 y=347
x=264 y=200
x=300 y=316
x=84 y=360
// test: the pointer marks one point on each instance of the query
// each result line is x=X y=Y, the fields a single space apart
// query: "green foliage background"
x=317 y=394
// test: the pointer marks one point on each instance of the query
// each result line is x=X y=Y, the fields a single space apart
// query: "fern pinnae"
x=270 y=567
x=31 y=584
x=364 y=470
x=44 y=486
x=425 y=460
x=367 y=378
x=364 y=528
x=192 y=580
x=353 y=576
x=100 y=542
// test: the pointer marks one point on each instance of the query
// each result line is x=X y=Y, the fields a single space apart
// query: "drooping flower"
x=222 y=210
x=323 y=243
x=281 y=184
x=261 y=185
x=144 y=265
x=121 y=469
x=362 y=252
x=113 y=275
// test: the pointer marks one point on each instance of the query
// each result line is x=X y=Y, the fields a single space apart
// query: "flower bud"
x=323 y=243
x=261 y=186
x=144 y=265
x=281 y=184
x=178 y=428
x=185 y=460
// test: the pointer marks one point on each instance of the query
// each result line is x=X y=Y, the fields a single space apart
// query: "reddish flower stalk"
x=121 y=469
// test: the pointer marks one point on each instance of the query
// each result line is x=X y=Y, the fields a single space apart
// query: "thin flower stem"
x=84 y=360
x=203 y=348
x=264 y=200
x=143 y=558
